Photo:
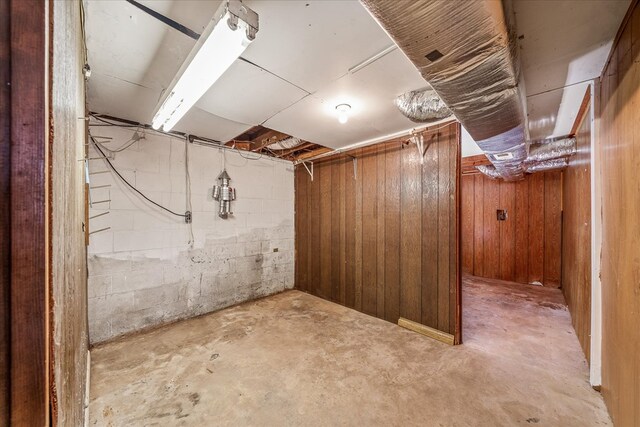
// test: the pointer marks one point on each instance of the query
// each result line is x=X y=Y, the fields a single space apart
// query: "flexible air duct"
x=466 y=53
x=422 y=106
x=547 y=165
x=564 y=147
x=285 y=144
x=489 y=171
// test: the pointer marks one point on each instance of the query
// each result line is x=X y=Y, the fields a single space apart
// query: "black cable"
x=170 y=22
x=131 y=186
x=95 y=116
x=130 y=124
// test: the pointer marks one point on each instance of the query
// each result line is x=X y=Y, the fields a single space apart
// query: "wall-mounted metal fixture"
x=224 y=194
x=309 y=169
x=418 y=139
x=501 y=214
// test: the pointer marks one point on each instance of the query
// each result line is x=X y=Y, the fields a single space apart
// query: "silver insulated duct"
x=466 y=53
x=422 y=106
x=547 y=165
x=286 y=143
x=489 y=171
x=564 y=147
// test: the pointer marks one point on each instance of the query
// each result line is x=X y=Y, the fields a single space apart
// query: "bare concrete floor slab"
x=294 y=359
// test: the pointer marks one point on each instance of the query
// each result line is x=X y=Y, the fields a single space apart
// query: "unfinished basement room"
x=320 y=213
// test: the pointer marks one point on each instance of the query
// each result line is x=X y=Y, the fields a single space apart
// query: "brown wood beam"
x=582 y=112
x=304 y=146
x=469 y=163
x=266 y=139
x=313 y=153
x=29 y=272
x=5 y=206
x=240 y=145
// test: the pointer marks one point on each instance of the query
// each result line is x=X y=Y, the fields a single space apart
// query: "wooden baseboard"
x=427 y=331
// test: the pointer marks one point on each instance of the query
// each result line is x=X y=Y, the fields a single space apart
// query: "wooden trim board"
x=426 y=331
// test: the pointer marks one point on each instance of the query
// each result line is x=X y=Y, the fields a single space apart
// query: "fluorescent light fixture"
x=232 y=29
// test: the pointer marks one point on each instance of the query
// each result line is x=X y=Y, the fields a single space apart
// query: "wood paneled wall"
x=619 y=155
x=5 y=206
x=576 y=232
x=376 y=230
x=524 y=248
x=23 y=220
x=69 y=329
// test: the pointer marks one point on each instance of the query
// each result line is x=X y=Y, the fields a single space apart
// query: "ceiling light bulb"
x=343 y=112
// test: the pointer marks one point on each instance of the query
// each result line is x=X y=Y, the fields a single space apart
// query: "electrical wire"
x=245 y=157
x=135 y=138
x=187 y=175
x=206 y=142
x=106 y=159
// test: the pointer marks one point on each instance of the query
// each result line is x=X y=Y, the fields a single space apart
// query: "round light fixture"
x=343 y=112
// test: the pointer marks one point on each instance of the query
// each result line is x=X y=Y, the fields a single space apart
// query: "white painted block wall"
x=144 y=271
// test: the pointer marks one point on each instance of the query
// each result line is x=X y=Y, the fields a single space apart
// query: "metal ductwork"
x=422 y=106
x=564 y=147
x=489 y=171
x=547 y=165
x=285 y=144
x=465 y=51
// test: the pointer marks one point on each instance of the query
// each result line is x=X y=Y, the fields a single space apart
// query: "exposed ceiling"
x=297 y=70
x=289 y=79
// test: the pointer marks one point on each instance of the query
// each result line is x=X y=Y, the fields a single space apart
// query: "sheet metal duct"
x=466 y=53
x=422 y=106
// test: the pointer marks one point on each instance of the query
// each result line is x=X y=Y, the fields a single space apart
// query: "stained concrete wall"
x=144 y=271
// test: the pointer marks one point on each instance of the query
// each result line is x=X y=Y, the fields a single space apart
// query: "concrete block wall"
x=147 y=269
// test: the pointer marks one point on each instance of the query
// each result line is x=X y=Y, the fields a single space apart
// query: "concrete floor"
x=294 y=359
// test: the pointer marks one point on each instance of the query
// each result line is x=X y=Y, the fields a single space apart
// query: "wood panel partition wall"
x=5 y=206
x=69 y=329
x=619 y=154
x=526 y=247
x=23 y=224
x=376 y=230
x=576 y=231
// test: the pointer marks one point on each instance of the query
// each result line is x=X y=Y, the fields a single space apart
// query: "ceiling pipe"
x=468 y=54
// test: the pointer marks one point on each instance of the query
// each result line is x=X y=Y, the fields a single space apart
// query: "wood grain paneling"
x=469 y=163
x=400 y=238
x=5 y=206
x=29 y=403
x=369 y=232
x=535 y=241
x=524 y=248
x=392 y=234
x=576 y=233
x=619 y=159
x=69 y=327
